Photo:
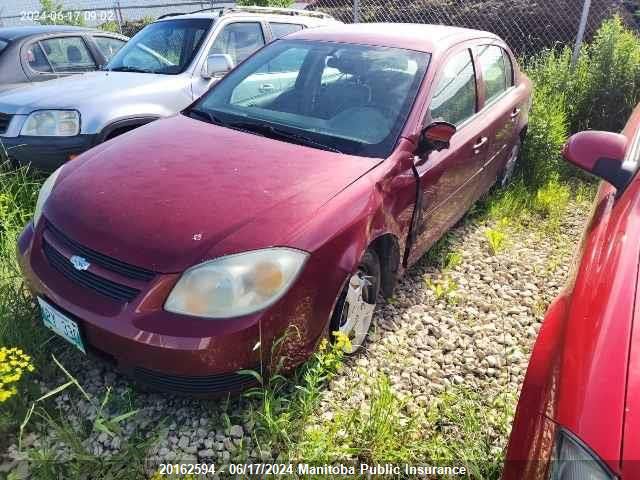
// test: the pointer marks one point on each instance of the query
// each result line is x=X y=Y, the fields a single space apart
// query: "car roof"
x=16 y=33
x=285 y=15
x=412 y=36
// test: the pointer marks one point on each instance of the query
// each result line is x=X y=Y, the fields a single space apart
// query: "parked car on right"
x=578 y=416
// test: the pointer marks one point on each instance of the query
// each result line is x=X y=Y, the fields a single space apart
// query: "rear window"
x=280 y=30
x=3 y=45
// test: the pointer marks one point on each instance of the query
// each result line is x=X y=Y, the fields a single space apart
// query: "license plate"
x=61 y=324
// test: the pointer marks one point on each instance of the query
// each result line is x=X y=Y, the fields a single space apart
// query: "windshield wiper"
x=203 y=115
x=279 y=133
x=130 y=69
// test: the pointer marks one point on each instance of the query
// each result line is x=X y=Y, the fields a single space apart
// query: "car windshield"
x=166 y=47
x=348 y=98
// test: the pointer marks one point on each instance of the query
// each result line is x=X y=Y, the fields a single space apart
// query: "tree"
x=266 y=3
x=52 y=13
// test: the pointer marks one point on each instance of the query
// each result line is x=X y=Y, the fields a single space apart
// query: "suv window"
x=165 y=47
x=454 y=100
x=492 y=66
x=280 y=30
x=68 y=54
x=108 y=46
x=239 y=40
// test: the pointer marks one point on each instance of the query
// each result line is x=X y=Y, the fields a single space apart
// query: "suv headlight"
x=52 y=123
x=45 y=191
x=236 y=285
x=573 y=460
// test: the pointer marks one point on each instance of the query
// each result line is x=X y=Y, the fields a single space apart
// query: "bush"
x=599 y=92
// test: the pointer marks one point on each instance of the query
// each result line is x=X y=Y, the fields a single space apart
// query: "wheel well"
x=388 y=250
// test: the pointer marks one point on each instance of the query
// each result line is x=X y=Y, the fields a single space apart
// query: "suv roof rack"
x=260 y=10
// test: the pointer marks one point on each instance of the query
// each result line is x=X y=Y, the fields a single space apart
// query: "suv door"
x=499 y=108
x=237 y=39
x=54 y=57
x=447 y=177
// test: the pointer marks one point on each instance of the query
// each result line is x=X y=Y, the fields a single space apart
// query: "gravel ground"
x=480 y=335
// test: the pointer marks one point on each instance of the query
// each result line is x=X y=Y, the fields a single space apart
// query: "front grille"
x=5 y=119
x=87 y=279
x=201 y=385
x=96 y=258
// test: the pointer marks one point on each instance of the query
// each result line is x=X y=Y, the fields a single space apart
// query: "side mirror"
x=435 y=136
x=600 y=153
x=217 y=66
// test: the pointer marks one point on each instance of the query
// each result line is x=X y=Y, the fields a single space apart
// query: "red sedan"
x=582 y=387
x=279 y=204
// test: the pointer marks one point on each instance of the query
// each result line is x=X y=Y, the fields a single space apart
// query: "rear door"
x=447 y=177
x=499 y=110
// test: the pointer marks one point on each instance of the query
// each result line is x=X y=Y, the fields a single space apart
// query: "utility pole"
x=581 y=28
x=356 y=11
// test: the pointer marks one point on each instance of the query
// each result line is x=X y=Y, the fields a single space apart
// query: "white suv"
x=159 y=72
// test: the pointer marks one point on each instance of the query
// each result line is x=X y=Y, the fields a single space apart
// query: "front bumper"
x=46 y=153
x=167 y=351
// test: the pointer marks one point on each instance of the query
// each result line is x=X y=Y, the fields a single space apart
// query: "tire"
x=354 y=311
x=506 y=175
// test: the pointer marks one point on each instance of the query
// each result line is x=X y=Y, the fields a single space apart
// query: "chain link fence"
x=526 y=25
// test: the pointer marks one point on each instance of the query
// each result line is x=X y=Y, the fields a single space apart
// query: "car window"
x=36 y=59
x=239 y=40
x=108 y=46
x=280 y=30
x=68 y=54
x=454 y=98
x=491 y=62
x=508 y=69
x=345 y=97
x=276 y=76
x=165 y=47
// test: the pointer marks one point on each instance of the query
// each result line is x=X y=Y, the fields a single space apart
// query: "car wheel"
x=510 y=166
x=354 y=309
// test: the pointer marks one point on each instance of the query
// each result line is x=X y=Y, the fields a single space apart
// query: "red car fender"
x=529 y=441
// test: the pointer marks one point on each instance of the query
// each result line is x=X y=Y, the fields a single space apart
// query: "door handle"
x=481 y=143
x=267 y=87
x=515 y=113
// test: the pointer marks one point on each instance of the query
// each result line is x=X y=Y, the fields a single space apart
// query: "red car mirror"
x=599 y=153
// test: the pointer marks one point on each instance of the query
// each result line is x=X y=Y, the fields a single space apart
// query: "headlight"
x=45 y=191
x=572 y=460
x=236 y=285
x=52 y=123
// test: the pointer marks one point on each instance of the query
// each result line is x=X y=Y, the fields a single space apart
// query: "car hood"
x=166 y=196
x=81 y=91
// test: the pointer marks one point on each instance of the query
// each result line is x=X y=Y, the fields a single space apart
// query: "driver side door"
x=446 y=185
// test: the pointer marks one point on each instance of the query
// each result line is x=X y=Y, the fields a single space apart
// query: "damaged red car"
x=286 y=199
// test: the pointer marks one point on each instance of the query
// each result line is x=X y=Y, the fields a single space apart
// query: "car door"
x=58 y=56
x=238 y=39
x=446 y=178
x=499 y=109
